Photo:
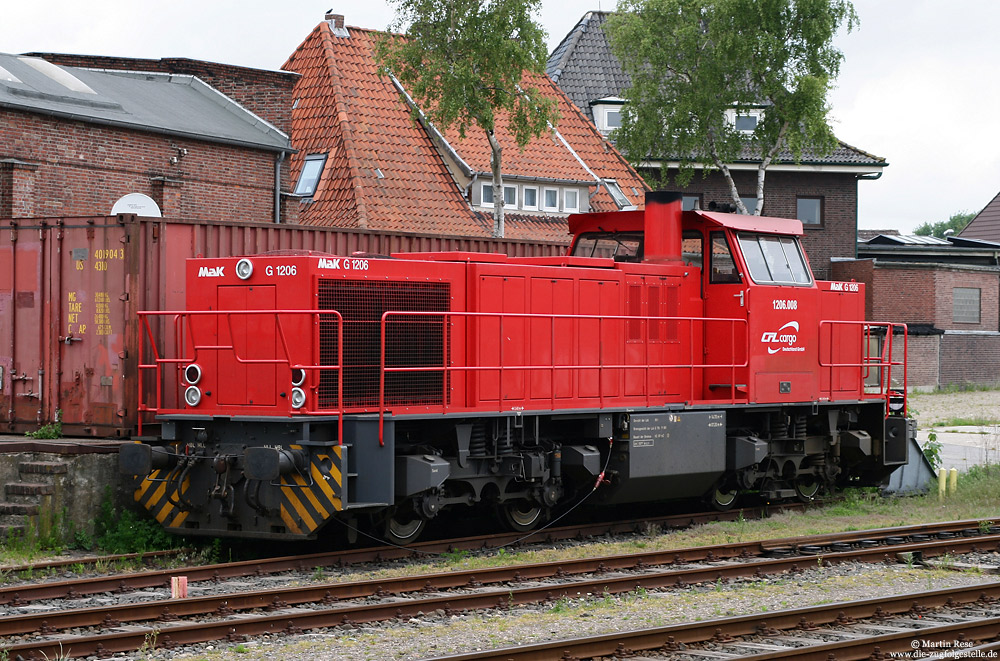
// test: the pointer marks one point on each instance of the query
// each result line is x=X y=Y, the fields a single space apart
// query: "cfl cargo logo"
x=211 y=272
x=785 y=338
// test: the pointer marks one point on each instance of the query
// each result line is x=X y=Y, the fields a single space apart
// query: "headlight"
x=192 y=395
x=298 y=398
x=298 y=376
x=244 y=269
x=192 y=373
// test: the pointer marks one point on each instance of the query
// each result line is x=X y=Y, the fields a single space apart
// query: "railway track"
x=341 y=558
x=294 y=609
x=961 y=621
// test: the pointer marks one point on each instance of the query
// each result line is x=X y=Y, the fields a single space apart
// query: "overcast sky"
x=917 y=86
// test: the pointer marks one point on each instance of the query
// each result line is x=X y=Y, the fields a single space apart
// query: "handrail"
x=182 y=323
x=601 y=366
x=884 y=361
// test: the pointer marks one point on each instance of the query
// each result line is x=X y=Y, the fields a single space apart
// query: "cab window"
x=774 y=259
x=620 y=246
x=723 y=265
x=692 y=248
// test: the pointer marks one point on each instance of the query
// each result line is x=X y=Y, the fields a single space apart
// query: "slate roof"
x=986 y=224
x=161 y=103
x=586 y=70
x=385 y=172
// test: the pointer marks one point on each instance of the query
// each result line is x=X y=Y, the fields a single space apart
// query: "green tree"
x=693 y=63
x=956 y=222
x=464 y=61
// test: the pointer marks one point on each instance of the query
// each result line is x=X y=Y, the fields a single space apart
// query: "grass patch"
x=966 y=422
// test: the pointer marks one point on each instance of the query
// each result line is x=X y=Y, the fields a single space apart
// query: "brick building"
x=77 y=133
x=821 y=190
x=948 y=293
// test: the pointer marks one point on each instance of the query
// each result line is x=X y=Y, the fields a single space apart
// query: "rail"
x=873 y=331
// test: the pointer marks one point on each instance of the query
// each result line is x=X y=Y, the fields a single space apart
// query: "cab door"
x=725 y=353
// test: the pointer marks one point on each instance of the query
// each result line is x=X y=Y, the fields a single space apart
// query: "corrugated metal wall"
x=70 y=287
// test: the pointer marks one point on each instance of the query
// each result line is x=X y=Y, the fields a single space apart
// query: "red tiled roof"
x=546 y=156
x=383 y=171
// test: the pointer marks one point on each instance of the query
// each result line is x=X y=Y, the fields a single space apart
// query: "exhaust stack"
x=662 y=227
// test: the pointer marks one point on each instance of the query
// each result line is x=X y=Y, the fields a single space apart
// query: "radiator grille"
x=411 y=340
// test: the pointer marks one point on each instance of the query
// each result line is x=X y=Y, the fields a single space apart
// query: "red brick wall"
x=837 y=235
x=970 y=358
x=82 y=169
x=903 y=294
x=989 y=298
x=922 y=368
x=267 y=94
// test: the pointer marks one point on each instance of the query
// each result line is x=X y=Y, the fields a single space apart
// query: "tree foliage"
x=691 y=61
x=464 y=61
x=956 y=222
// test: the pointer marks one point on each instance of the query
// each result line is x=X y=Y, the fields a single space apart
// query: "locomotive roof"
x=632 y=221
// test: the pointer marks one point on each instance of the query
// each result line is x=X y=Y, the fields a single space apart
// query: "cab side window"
x=723 y=265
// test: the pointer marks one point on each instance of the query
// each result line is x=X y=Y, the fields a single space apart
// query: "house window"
x=530 y=198
x=487 y=195
x=809 y=210
x=746 y=123
x=690 y=202
x=616 y=192
x=607 y=113
x=965 y=305
x=312 y=169
x=571 y=200
x=550 y=199
x=510 y=197
x=750 y=203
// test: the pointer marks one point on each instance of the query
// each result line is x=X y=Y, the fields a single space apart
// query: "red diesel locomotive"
x=670 y=354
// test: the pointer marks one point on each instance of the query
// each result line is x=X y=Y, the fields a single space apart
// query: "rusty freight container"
x=70 y=288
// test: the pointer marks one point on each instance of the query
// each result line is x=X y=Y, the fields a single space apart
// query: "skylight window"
x=616 y=192
x=8 y=77
x=312 y=170
x=58 y=75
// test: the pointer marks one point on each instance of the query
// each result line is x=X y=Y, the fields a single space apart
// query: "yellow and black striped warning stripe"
x=159 y=496
x=307 y=503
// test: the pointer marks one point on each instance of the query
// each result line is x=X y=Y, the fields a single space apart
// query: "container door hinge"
x=123 y=297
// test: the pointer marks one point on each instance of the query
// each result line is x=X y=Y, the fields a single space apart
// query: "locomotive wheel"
x=807 y=488
x=520 y=515
x=403 y=527
x=722 y=499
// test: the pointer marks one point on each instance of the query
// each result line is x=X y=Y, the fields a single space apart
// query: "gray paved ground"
x=963 y=447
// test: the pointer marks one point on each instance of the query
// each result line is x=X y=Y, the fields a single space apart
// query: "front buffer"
x=259 y=478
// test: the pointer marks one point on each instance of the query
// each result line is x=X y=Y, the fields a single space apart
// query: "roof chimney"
x=336 y=22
